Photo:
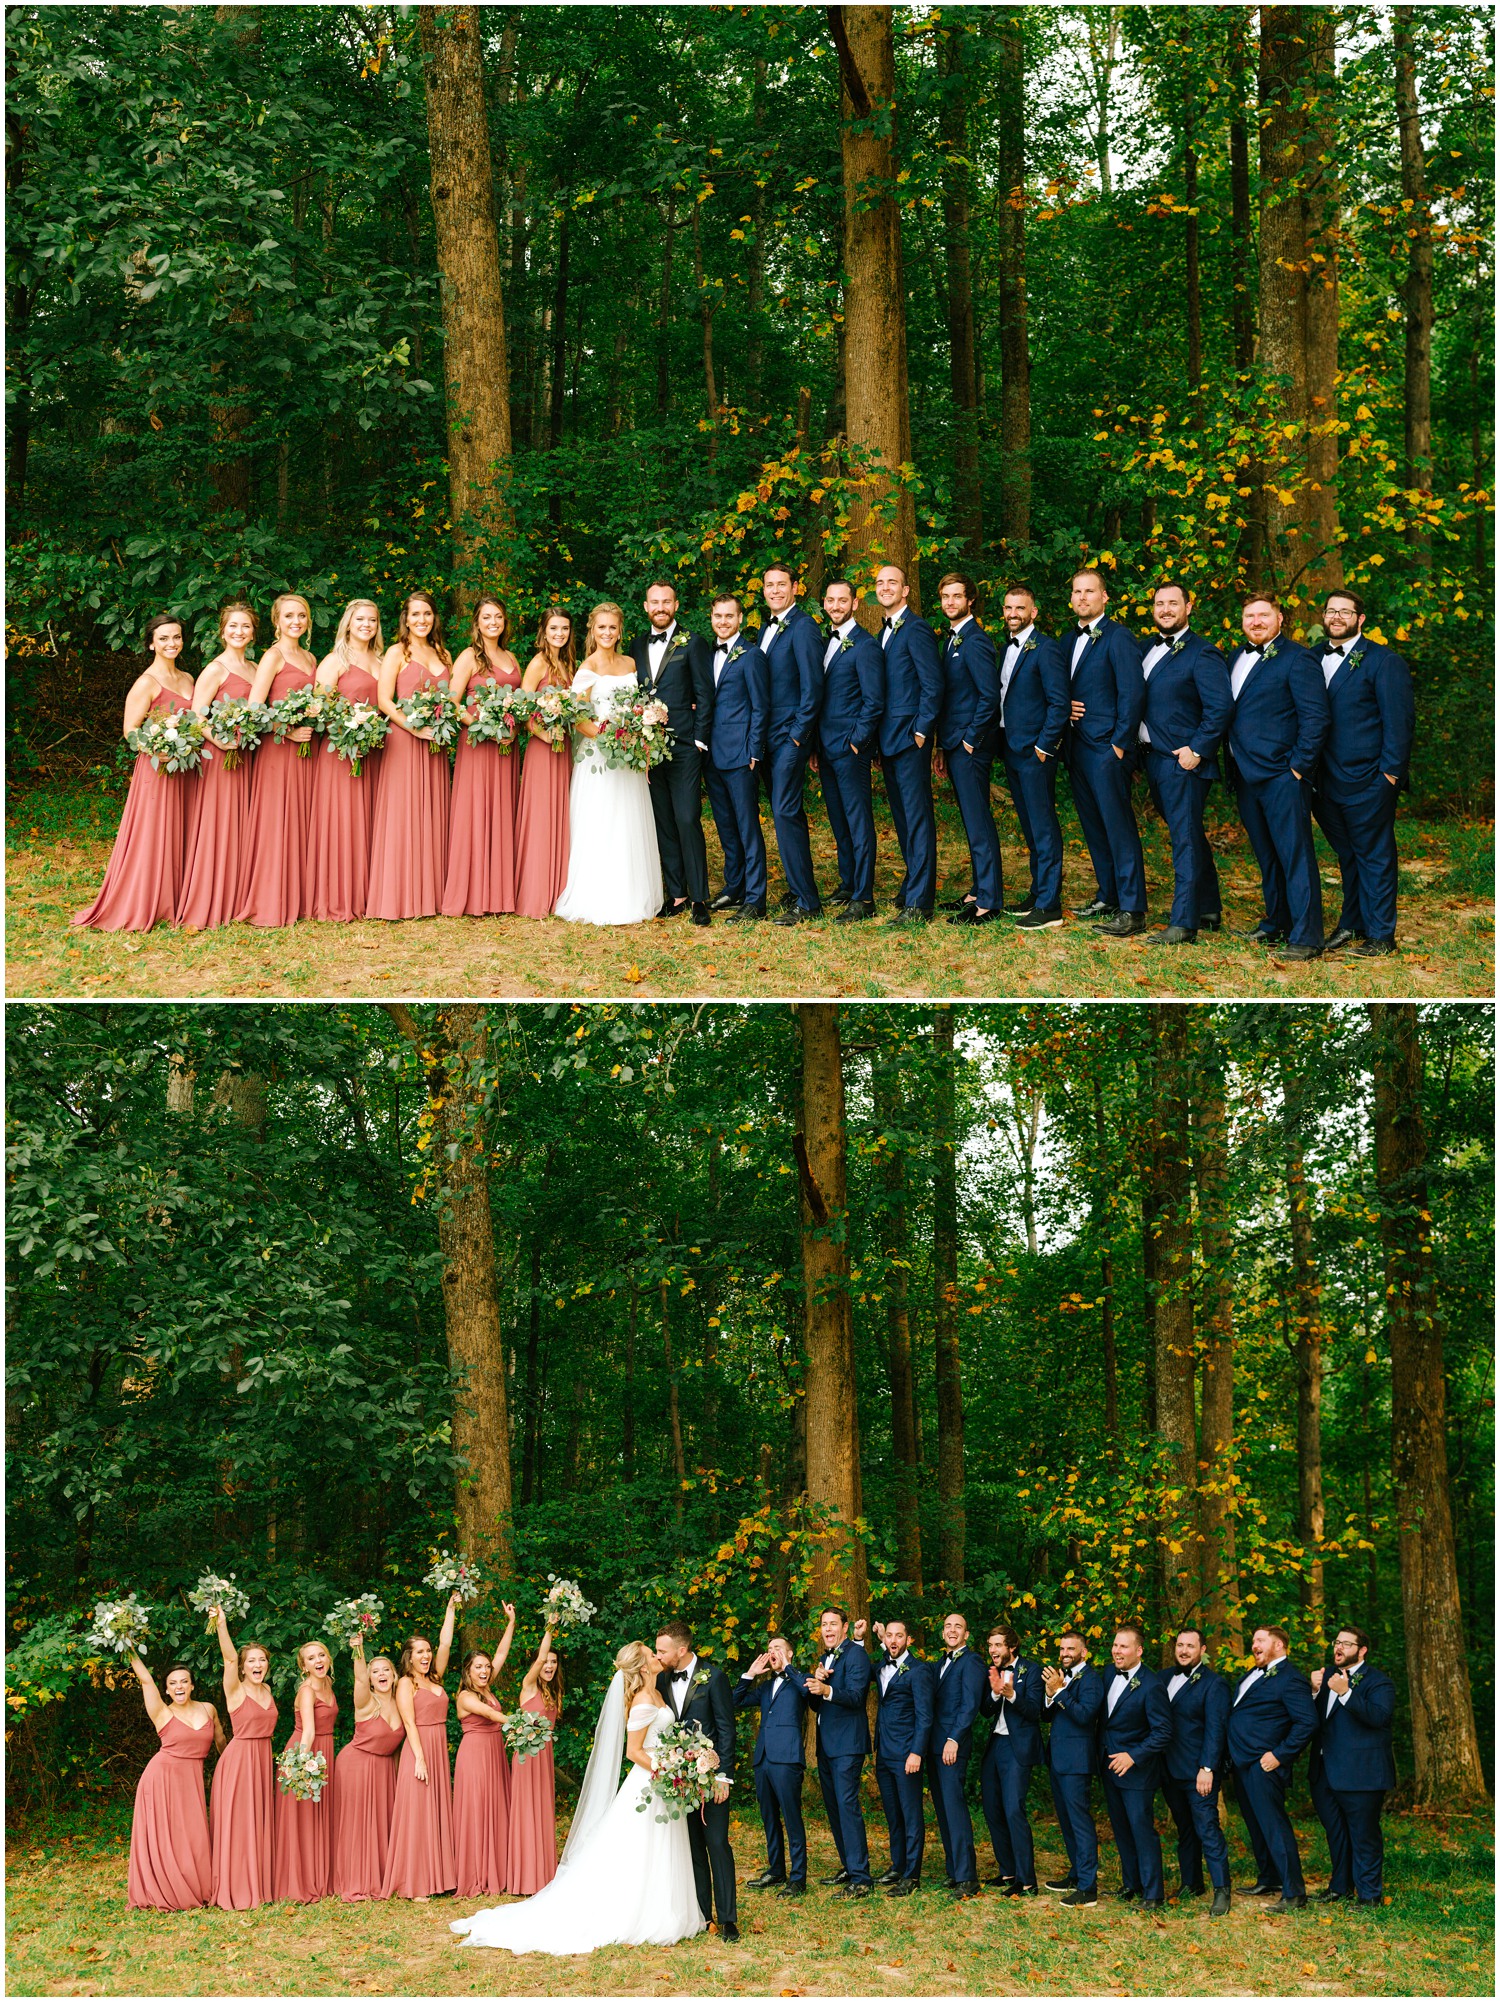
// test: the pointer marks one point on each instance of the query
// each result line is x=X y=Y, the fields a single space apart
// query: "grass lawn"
x=58 y=841
x=70 y=1933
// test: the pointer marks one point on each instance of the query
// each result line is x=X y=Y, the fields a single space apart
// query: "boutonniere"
x=1134 y=1683
x=902 y=1668
x=1274 y=1669
x=699 y=1678
x=1194 y=1676
x=846 y=643
x=1268 y=652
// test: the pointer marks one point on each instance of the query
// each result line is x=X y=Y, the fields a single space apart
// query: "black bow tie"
x=1335 y=650
x=1084 y=631
x=1164 y=639
x=679 y=1675
x=659 y=639
x=1252 y=653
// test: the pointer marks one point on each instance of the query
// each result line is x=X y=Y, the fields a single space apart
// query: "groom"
x=677 y=665
x=699 y=1693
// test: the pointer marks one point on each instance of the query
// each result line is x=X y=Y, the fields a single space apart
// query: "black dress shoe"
x=1371 y=1904
x=842 y=896
x=891 y=1876
x=1374 y=948
x=1286 y=1904
x=902 y=1888
x=972 y=915
x=1172 y=935
x=1342 y=937
x=700 y=914
x=1259 y=935
x=1097 y=909
x=749 y=914
x=1001 y=1881
x=726 y=901
x=959 y=904
x=1125 y=1895
x=838 y=1877
x=785 y=901
x=729 y=1932
x=1125 y=924
x=799 y=914
x=793 y=1888
x=1329 y=1896
x=1220 y=1904
x=1260 y=1889
x=672 y=909
x=855 y=1891
x=1153 y=1904
x=764 y=1882
x=1211 y=924
x=1039 y=918
x=855 y=912
x=1014 y=1890
x=1190 y=1890
x=970 y=1890
x=1080 y=1898
x=1060 y=1883
x=912 y=914
x=1299 y=952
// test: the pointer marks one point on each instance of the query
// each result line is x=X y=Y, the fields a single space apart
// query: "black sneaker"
x=1061 y=1883
x=1080 y=1898
x=1020 y=910
x=838 y=1877
x=726 y=901
x=1040 y=920
x=1097 y=909
x=1375 y=948
x=793 y=1888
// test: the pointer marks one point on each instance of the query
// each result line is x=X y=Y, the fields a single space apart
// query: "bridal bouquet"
x=354 y=730
x=526 y=1732
x=455 y=1574
x=354 y=1619
x=685 y=1773
x=500 y=712
x=180 y=741
x=300 y=709
x=635 y=735
x=119 y=1624
x=239 y=724
x=303 y=1775
x=565 y=1606
x=556 y=710
x=211 y=1593
x=433 y=708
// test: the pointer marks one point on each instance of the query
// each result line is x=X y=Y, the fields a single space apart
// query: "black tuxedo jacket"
x=708 y=1703
x=685 y=684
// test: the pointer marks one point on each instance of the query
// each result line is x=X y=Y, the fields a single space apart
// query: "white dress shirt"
x=721 y=654
x=840 y=634
x=656 y=649
x=888 y=1669
x=1239 y=674
x=1008 y=664
x=966 y=620
x=1333 y=660
x=1154 y=655
x=680 y=1689
x=886 y=632
x=1175 y=1684
x=1254 y=1676
x=1082 y=641
x=1117 y=1688
x=770 y=632
x=1002 y=1722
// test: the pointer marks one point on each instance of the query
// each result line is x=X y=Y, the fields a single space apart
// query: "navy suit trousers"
x=1101 y=793
x=839 y=1779
x=901 y=1800
x=1351 y=1821
x=970 y=773
x=1362 y=833
x=1033 y=787
x=1003 y=1783
x=1180 y=799
x=908 y=787
x=1199 y=1835
x=786 y=771
x=1278 y=820
x=846 y=796
x=1134 y=1825
x=1075 y=1817
x=955 y=1825
x=735 y=799
x=1262 y=1798
x=778 y=1793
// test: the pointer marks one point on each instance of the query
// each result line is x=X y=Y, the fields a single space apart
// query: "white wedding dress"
x=625 y=1879
x=614 y=868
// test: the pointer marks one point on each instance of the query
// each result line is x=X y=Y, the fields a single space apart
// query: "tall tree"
x=1170 y=1299
x=962 y=375
x=1417 y=383
x=1307 y=1330
x=952 y=1512
x=1216 y=1452
x=895 y=1244
x=1015 y=348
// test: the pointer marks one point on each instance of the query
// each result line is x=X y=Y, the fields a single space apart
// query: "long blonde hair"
x=290 y=598
x=633 y=1662
x=340 y=646
x=605 y=605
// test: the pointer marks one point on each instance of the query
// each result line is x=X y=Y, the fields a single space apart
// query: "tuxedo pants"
x=1180 y=799
x=677 y=808
x=970 y=772
x=1356 y=1844
x=1278 y=819
x=1132 y=1818
x=1199 y=1836
x=786 y=774
x=778 y=1793
x=1033 y=787
x=908 y=787
x=901 y=1800
x=1003 y=1784
x=1361 y=831
x=845 y=777
x=713 y=1862
x=734 y=796
x=1262 y=1798
x=954 y=1823
x=839 y=1779
x=1075 y=1817
x=1101 y=793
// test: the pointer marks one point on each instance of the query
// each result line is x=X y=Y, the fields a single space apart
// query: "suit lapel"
x=1346 y=666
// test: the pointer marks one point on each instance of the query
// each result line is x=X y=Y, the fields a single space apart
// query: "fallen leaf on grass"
x=634 y=975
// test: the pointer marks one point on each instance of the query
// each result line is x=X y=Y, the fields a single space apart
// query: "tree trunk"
x=1190 y=277
x=1444 y=1743
x=1100 y=1207
x=1015 y=351
x=560 y=329
x=706 y=321
x=1306 y=1339
x=1418 y=382
x=895 y=1248
x=1170 y=1297
x=947 y=1368
x=1241 y=240
x=1216 y=1455
x=674 y=1415
x=664 y=312
x=532 y=1431
x=968 y=516
x=18 y=325
x=1104 y=56
x=755 y=295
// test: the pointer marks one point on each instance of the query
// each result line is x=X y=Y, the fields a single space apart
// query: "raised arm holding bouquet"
x=171 y=1864
x=242 y=1805
x=365 y=1770
x=481 y=1776
x=421 y=1860
x=532 y=1858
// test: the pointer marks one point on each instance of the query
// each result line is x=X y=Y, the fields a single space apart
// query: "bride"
x=614 y=869
x=625 y=1879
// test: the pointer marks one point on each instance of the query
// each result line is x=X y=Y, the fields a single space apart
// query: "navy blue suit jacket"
x=796 y=664
x=914 y=684
x=1109 y=684
x=1200 y=1723
x=903 y=1716
x=742 y=708
x=779 y=1739
x=1187 y=698
x=1352 y=1745
x=853 y=694
x=1023 y=1713
x=1073 y=1741
x=1036 y=703
x=958 y=1693
x=1280 y=722
x=1140 y=1725
x=1275 y=1714
x=1372 y=722
x=971 y=691
x=685 y=683
x=843 y=1728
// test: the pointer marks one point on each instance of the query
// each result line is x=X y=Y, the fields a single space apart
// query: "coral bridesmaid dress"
x=214 y=851
x=482 y=821
x=542 y=827
x=420 y=1861
x=409 y=848
x=242 y=1809
x=366 y=1794
x=144 y=877
x=304 y=1847
x=531 y=1860
x=341 y=820
x=171 y=1866
x=272 y=873
x=481 y=1809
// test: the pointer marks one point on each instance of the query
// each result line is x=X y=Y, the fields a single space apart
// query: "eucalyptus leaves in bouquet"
x=121 y=1626
x=175 y=743
x=300 y=709
x=455 y=1577
x=353 y=730
x=354 y=1619
x=212 y=1594
x=303 y=1775
x=238 y=724
x=526 y=1732
x=564 y=1606
x=433 y=708
x=500 y=713
x=686 y=1773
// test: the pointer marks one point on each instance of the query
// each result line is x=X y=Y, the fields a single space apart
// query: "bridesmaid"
x=531 y=1860
x=271 y=886
x=338 y=835
x=304 y=1849
x=409 y=848
x=366 y=1787
x=481 y=1774
x=171 y=1866
x=242 y=1806
x=421 y=1859
x=482 y=820
x=215 y=846
x=542 y=817
x=144 y=877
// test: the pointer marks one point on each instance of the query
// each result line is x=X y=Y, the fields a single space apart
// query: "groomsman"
x=779 y=1764
x=1351 y=1767
x=789 y=639
x=1034 y=706
x=903 y=1729
x=960 y=1685
x=1271 y=1719
x=1366 y=761
x=1276 y=733
x=1108 y=694
x=1134 y=1732
x=968 y=740
x=848 y=731
x=673 y=663
x=913 y=698
x=1073 y=1700
x=837 y=1689
x=736 y=757
x=1196 y=1751
x=1186 y=714
x=701 y=1695
x=1012 y=1707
